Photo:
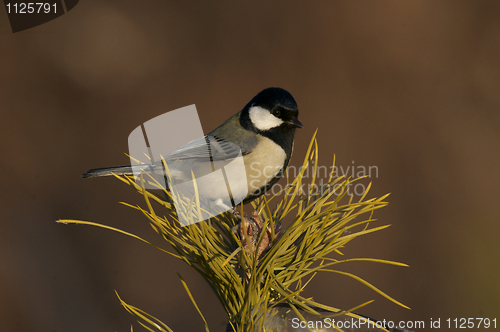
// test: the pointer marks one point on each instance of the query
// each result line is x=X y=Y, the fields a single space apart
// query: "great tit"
x=261 y=133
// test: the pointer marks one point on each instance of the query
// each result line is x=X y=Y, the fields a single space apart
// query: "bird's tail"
x=107 y=171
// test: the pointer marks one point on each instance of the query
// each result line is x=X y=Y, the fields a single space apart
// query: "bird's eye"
x=276 y=113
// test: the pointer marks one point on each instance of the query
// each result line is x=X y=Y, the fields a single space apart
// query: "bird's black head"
x=272 y=113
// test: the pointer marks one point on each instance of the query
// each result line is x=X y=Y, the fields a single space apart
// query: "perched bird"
x=261 y=134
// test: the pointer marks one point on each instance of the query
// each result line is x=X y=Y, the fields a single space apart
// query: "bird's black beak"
x=295 y=123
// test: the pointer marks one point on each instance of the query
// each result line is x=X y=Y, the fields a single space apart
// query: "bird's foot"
x=250 y=229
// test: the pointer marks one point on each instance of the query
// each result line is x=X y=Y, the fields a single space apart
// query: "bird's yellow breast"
x=263 y=163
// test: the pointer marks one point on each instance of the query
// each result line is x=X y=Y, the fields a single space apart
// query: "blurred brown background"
x=412 y=87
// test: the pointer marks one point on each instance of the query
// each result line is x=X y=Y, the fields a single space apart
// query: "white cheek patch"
x=262 y=119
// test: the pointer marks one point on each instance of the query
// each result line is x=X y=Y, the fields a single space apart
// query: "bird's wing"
x=206 y=148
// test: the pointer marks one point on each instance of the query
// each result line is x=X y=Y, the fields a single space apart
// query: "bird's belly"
x=217 y=180
x=263 y=164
